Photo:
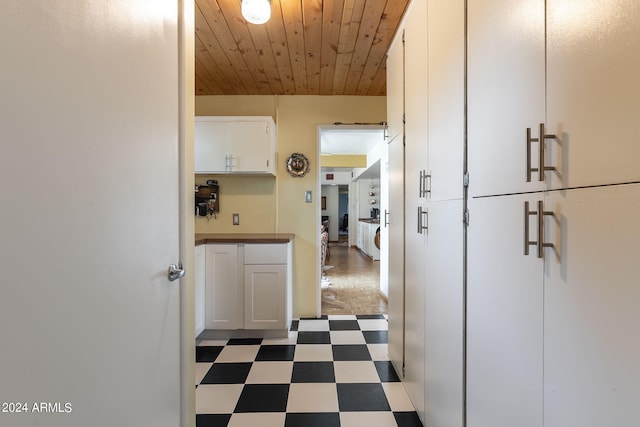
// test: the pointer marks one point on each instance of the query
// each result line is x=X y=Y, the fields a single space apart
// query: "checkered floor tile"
x=332 y=371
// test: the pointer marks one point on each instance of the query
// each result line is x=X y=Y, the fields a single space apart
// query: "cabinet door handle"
x=424 y=184
x=527 y=242
x=541 y=244
x=386 y=217
x=542 y=137
x=421 y=214
x=540 y=214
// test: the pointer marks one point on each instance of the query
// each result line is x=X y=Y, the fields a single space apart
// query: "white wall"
x=364 y=187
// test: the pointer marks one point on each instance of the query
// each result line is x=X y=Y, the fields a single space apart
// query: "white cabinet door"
x=211 y=145
x=506 y=92
x=443 y=259
x=234 y=144
x=384 y=216
x=504 y=316
x=265 y=296
x=592 y=295
x=446 y=98
x=200 y=288
x=222 y=288
x=252 y=146
x=593 y=65
x=415 y=166
x=395 y=86
x=395 y=307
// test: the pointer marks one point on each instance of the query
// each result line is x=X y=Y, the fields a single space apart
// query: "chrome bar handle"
x=427 y=184
x=426 y=215
x=540 y=243
x=527 y=214
x=529 y=168
x=386 y=217
x=421 y=183
x=541 y=167
x=421 y=225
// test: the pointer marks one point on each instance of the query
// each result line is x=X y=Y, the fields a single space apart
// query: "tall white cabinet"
x=551 y=289
x=426 y=307
x=532 y=322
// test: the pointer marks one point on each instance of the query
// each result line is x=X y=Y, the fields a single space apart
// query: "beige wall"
x=268 y=204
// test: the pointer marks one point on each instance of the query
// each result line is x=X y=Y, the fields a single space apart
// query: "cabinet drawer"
x=265 y=253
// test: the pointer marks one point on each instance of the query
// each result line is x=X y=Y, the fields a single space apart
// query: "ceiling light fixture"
x=256 y=11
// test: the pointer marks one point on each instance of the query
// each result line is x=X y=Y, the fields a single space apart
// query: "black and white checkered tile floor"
x=333 y=371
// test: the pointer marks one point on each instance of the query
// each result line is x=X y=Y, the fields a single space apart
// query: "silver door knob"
x=175 y=272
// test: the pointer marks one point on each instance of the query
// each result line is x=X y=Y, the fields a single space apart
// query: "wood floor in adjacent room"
x=354 y=283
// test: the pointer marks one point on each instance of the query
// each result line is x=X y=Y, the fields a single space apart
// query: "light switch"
x=307 y=196
x=236 y=219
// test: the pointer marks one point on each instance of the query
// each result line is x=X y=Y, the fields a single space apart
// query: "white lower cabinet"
x=504 y=316
x=267 y=286
x=366 y=237
x=200 y=288
x=248 y=286
x=550 y=338
x=222 y=291
x=265 y=289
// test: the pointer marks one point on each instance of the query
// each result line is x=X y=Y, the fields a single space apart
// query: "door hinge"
x=465 y=217
x=465 y=179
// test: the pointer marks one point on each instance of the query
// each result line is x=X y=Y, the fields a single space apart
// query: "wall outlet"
x=236 y=219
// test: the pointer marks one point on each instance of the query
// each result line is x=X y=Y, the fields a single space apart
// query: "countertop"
x=204 y=238
x=370 y=220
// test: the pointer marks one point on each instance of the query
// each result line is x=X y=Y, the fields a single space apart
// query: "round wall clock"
x=297 y=165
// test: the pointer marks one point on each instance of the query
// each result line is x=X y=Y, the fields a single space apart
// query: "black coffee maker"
x=206 y=198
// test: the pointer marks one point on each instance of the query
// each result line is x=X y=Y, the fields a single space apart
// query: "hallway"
x=354 y=283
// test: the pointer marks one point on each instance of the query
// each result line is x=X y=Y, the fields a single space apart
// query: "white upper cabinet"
x=593 y=65
x=395 y=87
x=567 y=71
x=240 y=145
x=506 y=93
x=446 y=99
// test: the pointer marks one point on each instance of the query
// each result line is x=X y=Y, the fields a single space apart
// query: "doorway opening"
x=350 y=180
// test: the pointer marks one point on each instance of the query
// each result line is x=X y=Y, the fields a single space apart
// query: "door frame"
x=186 y=179
x=318 y=175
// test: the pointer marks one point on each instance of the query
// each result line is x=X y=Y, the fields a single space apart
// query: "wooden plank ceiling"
x=308 y=47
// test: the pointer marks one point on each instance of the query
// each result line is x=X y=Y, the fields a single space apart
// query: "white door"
x=592 y=294
x=89 y=178
x=416 y=165
x=443 y=260
x=593 y=65
x=395 y=86
x=506 y=92
x=396 y=253
x=504 y=315
x=446 y=31
x=384 y=217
